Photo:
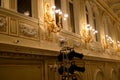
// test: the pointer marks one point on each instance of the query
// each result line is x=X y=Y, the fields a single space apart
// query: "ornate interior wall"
x=28 y=50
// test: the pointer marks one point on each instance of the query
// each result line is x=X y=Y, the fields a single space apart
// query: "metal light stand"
x=67 y=64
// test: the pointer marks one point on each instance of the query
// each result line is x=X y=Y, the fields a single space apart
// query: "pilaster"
x=82 y=17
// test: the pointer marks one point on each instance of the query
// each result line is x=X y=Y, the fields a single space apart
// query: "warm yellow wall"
x=27 y=35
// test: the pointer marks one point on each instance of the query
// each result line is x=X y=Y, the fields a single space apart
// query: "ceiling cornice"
x=108 y=10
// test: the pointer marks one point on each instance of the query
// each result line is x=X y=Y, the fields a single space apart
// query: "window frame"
x=95 y=24
x=72 y=26
x=26 y=9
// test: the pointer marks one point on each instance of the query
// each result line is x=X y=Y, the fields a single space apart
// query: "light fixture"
x=26 y=13
x=68 y=67
x=118 y=42
x=50 y=21
x=109 y=41
x=88 y=33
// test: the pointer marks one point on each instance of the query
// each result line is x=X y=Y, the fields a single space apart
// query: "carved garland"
x=2 y=22
x=28 y=30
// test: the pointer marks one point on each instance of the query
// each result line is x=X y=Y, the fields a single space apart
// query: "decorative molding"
x=79 y=75
x=110 y=51
x=18 y=55
x=96 y=46
x=27 y=30
x=13 y=29
x=13 y=55
x=108 y=10
x=3 y=23
x=113 y=74
x=98 y=72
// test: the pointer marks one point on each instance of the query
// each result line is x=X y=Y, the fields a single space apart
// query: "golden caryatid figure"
x=50 y=23
x=88 y=34
x=86 y=37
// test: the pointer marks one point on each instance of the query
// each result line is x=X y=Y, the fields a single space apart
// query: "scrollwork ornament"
x=96 y=46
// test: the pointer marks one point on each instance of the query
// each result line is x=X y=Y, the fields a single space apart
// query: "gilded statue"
x=50 y=22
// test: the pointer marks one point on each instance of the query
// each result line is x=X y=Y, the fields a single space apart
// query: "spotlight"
x=74 y=68
x=81 y=69
x=68 y=67
x=74 y=54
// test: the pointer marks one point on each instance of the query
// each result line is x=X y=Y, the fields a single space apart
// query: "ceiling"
x=114 y=5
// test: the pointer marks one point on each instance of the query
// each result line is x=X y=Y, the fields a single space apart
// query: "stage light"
x=73 y=54
x=68 y=67
x=74 y=68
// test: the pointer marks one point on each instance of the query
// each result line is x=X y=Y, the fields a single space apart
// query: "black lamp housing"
x=74 y=68
x=73 y=54
x=66 y=57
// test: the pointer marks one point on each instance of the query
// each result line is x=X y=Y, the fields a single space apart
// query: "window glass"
x=58 y=6
x=72 y=23
x=24 y=7
x=95 y=26
x=87 y=17
x=0 y=2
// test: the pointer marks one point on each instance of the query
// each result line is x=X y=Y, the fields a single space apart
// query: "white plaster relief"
x=28 y=30
x=76 y=43
x=2 y=22
x=110 y=51
x=96 y=46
